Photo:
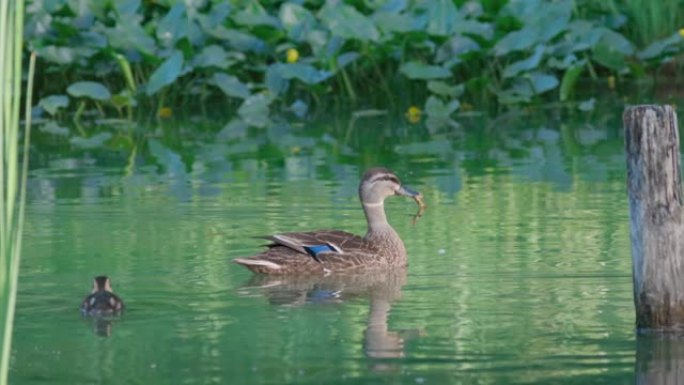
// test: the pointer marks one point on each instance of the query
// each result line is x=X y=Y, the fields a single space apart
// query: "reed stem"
x=12 y=173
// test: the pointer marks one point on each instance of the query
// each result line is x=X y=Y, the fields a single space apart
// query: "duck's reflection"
x=382 y=289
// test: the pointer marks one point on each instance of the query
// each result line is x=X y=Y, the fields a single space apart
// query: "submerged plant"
x=12 y=171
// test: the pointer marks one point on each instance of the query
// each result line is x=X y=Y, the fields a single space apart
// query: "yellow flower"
x=611 y=82
x=292 y=55
x=164 y=112
x=681 y=32
x=413 y=114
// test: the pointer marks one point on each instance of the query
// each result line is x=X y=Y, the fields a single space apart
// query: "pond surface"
x=520 y=270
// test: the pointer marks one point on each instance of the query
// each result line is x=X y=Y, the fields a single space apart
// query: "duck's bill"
x=418 y=197
x=407 y=192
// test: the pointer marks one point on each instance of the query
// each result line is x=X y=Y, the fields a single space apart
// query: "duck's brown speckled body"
x=102 y=301
x=329 y=251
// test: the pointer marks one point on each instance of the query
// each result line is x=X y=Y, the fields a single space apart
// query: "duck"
x=335 y=251
x=102 y=301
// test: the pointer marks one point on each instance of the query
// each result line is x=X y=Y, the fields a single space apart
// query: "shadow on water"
x=381 y=289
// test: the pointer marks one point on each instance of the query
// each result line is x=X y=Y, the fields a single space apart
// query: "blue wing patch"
x=314 y=250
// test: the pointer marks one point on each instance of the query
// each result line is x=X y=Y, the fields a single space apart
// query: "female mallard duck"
x=102 y=301
x=327 y=251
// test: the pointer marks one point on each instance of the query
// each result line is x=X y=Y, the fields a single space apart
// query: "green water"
x=519 y=271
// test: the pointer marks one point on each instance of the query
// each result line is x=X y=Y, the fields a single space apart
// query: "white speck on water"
x=420 y=380
x=153 y=366
x=441 y=251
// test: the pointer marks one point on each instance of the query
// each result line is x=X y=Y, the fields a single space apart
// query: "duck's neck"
x=382 y=234
x=375 y=217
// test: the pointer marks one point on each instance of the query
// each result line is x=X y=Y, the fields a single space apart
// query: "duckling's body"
x=327 y=251
x=102 y=301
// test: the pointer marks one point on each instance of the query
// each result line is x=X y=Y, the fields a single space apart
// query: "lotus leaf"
x=92 y=90
x=345 y=21
x=524 y=65
x=53 y=103
x=166 y=74
x=230 y=85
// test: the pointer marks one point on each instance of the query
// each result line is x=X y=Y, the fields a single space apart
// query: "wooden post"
x=655 y=201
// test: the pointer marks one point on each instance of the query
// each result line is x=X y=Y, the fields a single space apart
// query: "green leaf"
x=173 y=26
x=616 y=42
x=525 y=65
x=345 y=21
x=442 y=17
x=128 y=34
x=526 y=87
x=441 y=88
x=554 y=18
x=241 y=41
x=608 y=57
x=53 y=103
x=255 y=110
x=669 y=45
x=395 y=22
x=92 y=90
x=166 y=74
x=436 y=108
x=296 y=20
x=542 y=82
x=304 y=72
x=230 y=85
x=418 y=70
x=456 y=46
x=58 y=55
x=212 y=56
x=275 y=82
x=254 y=15
x=517 y=40
x=569 y=80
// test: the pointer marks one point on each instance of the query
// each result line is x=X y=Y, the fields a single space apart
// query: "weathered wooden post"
x=655 y=208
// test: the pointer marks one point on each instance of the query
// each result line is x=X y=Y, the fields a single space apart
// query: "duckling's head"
x=380 y=183
x=102 y=283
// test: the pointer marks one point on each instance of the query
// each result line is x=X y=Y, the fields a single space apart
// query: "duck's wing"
x=308 y=252
x=322 y=243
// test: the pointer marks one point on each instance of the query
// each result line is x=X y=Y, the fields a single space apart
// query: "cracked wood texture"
x=655 y=200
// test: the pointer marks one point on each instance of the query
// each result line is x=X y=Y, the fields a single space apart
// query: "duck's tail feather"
x=258 y=265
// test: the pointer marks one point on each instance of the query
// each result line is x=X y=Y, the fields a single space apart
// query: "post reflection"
x=659 y=359
x=381 y=288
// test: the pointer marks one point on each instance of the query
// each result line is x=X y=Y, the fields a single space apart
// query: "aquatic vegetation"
x=13 y=169
x=252 y=53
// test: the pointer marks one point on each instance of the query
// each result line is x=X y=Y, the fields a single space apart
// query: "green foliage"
x=176 y=52
x=92 y=90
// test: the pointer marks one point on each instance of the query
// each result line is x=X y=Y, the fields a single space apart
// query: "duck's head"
x=380 y=183
x=102 y=283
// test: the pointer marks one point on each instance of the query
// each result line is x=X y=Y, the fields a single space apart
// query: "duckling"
x=102 y=301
